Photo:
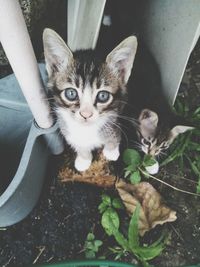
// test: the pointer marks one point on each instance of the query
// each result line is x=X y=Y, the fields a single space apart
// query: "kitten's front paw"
x=153 y=169
x=82 y=164
x=111 y=154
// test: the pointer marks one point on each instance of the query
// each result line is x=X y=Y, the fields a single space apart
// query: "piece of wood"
x=107 y=181
x=98 y=174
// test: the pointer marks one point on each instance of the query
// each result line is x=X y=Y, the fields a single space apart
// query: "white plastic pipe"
x=18 y=48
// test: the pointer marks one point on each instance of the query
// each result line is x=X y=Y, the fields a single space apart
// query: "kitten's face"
x=84 y=99
x=87 y=89
x=88 y=93
x=154 y=139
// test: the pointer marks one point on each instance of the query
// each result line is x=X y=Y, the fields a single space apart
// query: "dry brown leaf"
x=153 y=211
x=98 y=174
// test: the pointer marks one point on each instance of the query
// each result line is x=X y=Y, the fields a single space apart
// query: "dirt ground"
x=56 y=228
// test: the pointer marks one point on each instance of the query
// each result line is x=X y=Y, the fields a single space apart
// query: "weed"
x=186 y=147
x=131 y=244
x=135 y=163
x=108 y=202
x=92 y=246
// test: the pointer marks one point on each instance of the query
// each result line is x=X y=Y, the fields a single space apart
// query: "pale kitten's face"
x=88 y=89
x=87 y=92
x=153 y=138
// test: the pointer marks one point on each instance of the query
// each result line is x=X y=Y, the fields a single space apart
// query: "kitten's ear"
x=57 y=55
x=120 y=60
x=178 y=130
x=148 y=121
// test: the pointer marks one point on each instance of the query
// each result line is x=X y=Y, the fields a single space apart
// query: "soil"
x=57 y=227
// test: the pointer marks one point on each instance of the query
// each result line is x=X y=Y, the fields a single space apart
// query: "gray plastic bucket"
x=24 y=152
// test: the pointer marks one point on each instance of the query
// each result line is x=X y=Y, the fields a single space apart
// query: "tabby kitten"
x=156 y=125
x=89 y=93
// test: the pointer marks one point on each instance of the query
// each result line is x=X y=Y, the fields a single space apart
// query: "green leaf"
x=133 y=231
x=106 y=199
x=117 y=203
x=151 y=251
x=148 y=161
x=161 y=240
x=132 y=157
x=110 y=221
x=90 y=237
x=193 y=166
x=182 y=144
x=98 y=243
x=102 y=207
x=130 y=168
x=89 y=254
x=127 y=173
x=106 y=202
x=135 y=177
x=118 y=256
x=197 y=111
x=148 y=253
x=95 y=249
x=121 y=240
x=89 y=245
x=194 y=146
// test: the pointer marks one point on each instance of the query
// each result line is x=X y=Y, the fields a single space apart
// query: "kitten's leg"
x=111 y=151
x=83 y=160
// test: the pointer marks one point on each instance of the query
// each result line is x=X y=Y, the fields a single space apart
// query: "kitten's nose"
x=86 y=114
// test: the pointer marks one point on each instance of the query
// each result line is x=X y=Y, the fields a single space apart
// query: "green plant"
x=186 y=147
x=110 y=203
x=92 y=246
x=135 y=163
x=119 y=252
x=111 y=224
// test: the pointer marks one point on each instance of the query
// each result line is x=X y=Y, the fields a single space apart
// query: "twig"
x=50 y=259
x=169 y=185
x=180 y=177
x=177 y=233
x=8 y=262
x=39 y=254
x=104 y=181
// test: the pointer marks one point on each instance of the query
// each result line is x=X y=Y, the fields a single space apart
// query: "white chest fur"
x=78 y=135
x=85 y=137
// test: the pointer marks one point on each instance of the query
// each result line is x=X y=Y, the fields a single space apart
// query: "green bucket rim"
x=79 y=263
x=100 y=263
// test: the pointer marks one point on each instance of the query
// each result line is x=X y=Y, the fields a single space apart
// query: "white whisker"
x=123 y=117
x=118 y=126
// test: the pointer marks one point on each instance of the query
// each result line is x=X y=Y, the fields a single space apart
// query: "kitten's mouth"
x=86 y=121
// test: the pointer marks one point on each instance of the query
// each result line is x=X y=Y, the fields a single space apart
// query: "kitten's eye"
x=71 y=94
x=145 y=142
x=103 y=96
